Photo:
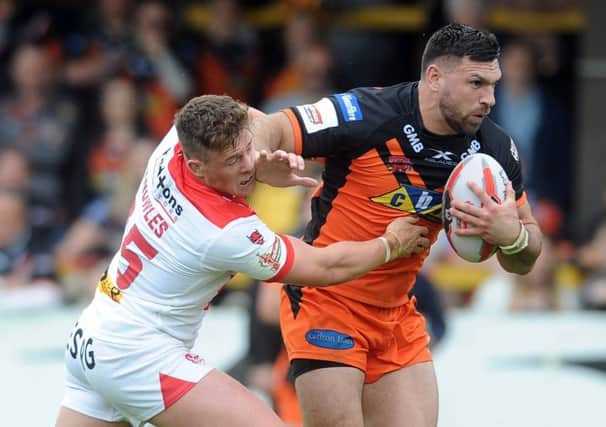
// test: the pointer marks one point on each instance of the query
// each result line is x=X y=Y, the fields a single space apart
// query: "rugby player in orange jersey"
x=359 y=351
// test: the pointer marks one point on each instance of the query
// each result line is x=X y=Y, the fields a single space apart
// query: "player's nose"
x=248 y=162
x=488 y=97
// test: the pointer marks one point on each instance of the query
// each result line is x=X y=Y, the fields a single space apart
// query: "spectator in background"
x=16 y=262
x=537 y=124
x=97 y=232
x=95 y=48
x=227 y=61
x=25 y=278
x=313 y=66
x=299 y=32
x=468 y=12
x=373 y=55
x=161 y=77
x=591 y=257
x=14 y=171
x=98 y=49
x=7 y=36
x=121 y=127
x=39 y=120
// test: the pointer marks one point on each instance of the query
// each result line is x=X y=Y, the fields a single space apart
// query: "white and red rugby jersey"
x=182 y=242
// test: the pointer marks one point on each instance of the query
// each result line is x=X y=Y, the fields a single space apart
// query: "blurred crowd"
x=86 y=92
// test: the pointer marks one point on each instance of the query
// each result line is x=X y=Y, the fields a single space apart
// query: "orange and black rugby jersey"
x=380 y=163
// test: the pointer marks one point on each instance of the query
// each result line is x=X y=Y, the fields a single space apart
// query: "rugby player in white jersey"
x=189 y=231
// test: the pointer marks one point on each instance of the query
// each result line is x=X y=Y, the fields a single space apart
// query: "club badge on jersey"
x=417 y=201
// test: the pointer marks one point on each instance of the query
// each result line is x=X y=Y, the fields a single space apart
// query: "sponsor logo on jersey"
x=271 y=259
x=514 y=150
x=312 y=114
x=256 y=237
x=318 y=116
x=107 y=287
x=164 y=191
x=474 y=147
x=413 y=200
x=442 y=157
x=349 y=107
x=81 y=347
x=413 y=138
x=327 y=338
x=194 y=358
x=397 y=163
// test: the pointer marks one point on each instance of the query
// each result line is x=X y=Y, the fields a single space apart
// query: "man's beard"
x=455 y=121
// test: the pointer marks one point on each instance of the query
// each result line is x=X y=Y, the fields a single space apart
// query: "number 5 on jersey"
x=135 y=265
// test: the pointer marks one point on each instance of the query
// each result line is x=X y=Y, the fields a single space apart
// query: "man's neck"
x=431 y=115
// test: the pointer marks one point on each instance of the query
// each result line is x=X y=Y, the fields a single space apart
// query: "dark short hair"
x=459 y=41
x=210 y=122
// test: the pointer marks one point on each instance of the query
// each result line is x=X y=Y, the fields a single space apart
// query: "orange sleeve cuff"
x=296 y=128
x=523 y=199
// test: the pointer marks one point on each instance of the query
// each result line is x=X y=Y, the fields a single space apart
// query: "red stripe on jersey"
x=290 y=260
x=217 y=208
x=173 y=389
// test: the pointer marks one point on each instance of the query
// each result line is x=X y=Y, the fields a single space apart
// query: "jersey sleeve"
x=335 y=125
x=504 y=150
x=510 y=160
x=250 y=247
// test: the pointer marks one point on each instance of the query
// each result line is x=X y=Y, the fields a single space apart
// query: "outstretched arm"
x=271 y=132
x=343 y=261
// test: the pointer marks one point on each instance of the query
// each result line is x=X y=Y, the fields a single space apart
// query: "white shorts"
x=131 y=377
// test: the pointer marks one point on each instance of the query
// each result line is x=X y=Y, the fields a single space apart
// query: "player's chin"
x=473 y=123
x=246 y=187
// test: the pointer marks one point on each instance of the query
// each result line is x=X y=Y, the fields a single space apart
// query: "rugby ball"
x=491 y=177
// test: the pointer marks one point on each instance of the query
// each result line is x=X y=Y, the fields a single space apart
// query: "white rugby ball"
x=491 y=177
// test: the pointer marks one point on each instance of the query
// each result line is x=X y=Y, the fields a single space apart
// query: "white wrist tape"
x=519 y=245
x=387 y=248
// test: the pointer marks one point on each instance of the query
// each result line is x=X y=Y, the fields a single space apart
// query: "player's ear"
x=196 y=166
x=432 y=76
